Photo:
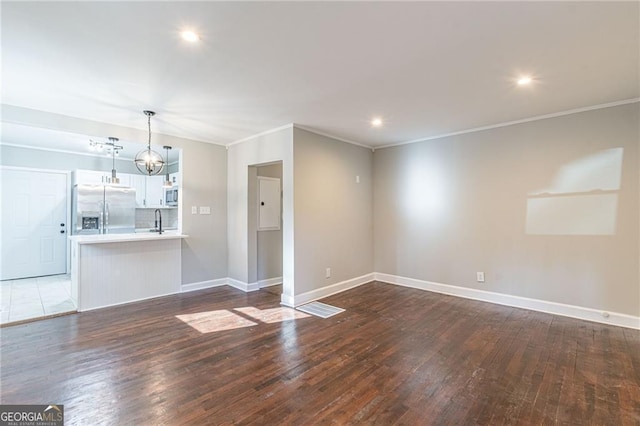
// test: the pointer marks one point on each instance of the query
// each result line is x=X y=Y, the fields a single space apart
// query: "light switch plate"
x=194 y=209
x=205 y=210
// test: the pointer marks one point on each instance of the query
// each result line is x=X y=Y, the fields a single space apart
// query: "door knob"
x=62 y=231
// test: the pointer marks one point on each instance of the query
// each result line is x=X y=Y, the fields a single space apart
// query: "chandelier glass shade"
x=148 y=161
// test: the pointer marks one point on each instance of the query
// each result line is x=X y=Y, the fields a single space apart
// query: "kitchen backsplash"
x=145 y=218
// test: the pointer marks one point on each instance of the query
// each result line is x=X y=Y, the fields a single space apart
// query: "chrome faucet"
x=158 y=214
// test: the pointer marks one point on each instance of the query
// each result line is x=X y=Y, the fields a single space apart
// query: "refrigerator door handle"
x=101 y=214
x=106 y=218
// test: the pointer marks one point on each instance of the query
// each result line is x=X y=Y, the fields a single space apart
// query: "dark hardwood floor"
x=275 y=289
x=396 y=356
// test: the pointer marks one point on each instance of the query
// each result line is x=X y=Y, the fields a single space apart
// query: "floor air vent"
x=321 y=310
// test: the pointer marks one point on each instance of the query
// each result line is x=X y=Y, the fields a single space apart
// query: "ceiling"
x=425 y=68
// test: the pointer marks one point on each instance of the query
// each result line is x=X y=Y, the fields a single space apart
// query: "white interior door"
x=33 y=223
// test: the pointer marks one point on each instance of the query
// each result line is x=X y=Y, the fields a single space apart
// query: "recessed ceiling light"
x=376 y=122
x=190 y=36
x=523 y=81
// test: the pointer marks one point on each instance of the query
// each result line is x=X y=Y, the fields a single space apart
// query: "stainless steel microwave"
x=171 y=196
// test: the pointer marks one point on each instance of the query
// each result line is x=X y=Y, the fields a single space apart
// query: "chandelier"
x=110 y=146
x=148 y=161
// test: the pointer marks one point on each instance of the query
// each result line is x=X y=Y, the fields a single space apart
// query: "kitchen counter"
x=115 y=238
x=113 y=269
x=147 y=230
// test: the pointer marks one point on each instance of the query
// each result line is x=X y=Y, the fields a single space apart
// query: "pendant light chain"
x=149 y=127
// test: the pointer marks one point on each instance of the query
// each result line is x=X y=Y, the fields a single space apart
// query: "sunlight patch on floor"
x=272 y=315
x=212 y=321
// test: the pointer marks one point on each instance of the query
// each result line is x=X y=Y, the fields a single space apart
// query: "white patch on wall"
x=423 y=196
x=581 y=200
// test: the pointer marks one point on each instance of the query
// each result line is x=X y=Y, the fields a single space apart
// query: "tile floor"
x=35 y=297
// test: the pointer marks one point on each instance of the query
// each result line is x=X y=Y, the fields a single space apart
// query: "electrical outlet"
x=480 y=277
x=327 y=273
x=194 y=209
x=357 y=179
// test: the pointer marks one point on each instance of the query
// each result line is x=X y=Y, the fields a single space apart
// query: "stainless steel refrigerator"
x=103 y=209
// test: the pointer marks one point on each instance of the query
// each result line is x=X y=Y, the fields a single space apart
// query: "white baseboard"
x=310 y=296
x=288 y=301
x=241 y=285
x=203 y=284
x=269 y=282
x=589 y=314
x=579 y=312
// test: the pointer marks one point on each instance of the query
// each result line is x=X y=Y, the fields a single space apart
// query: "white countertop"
x=143 y=230
x=120 y=238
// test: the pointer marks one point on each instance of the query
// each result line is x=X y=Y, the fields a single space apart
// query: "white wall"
x=267 y=148
x=333 y=213
x=547 y=209
x=204 y=183
x=330 y=213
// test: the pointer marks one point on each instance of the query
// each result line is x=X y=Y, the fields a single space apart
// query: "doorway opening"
x=265 y=226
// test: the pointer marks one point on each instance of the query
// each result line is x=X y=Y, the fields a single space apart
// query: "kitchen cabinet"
x=90 y=177
x=125 y=179
x=155 y=192
x=149 y=189
x=139 y=182
x=95 y=177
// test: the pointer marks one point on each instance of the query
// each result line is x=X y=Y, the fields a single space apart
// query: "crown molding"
x=257 y=135
x=301 y=127
x=511 y=123
x=328 y=135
